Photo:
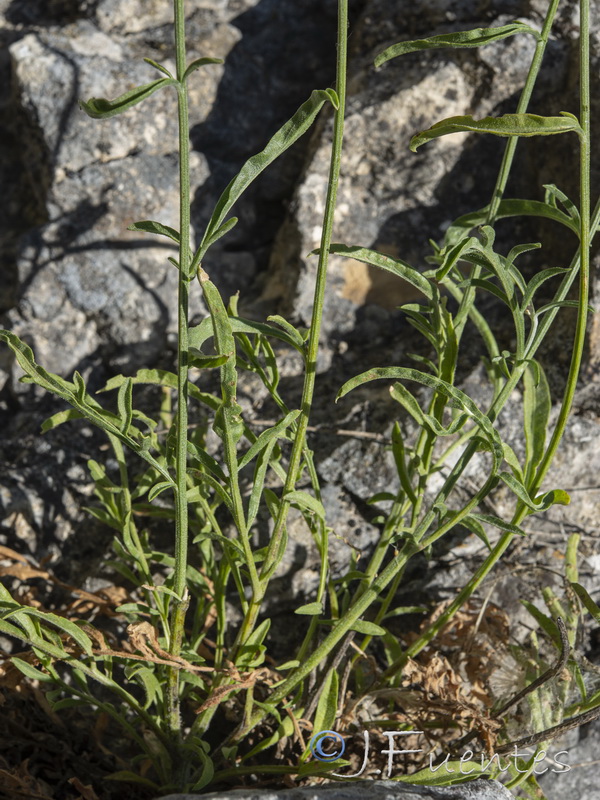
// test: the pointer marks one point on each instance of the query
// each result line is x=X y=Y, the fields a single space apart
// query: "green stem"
x=271 y=559
x=509 y=154
x=181 y=506
x=586 y=233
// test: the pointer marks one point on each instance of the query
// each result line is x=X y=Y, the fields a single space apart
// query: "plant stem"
x=586 y=233
x=509 y=154
x=293 y=473
x=181 y=507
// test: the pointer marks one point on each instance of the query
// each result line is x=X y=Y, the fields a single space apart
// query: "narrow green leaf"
x=306 y=501
x=585 y=598
x=206 y=362
x=200 y=62
x=534 y=284
x=286 y=728
x=61 y=416
x=251 y=652
x=195 y=495
x=207 y=461
x=225 y=228
x=328 y=703
x=276 y=432
x=537 y=405
x=161 y=377
x=478 y=37
x=99 y=108
x=159 y=67
x=281 y=141
x=294 y=333
x=490 y=519
x=555 y=196
x=508 y=208
x=124 y=404
x=158 y=489
x=507 y=125
x=63 y=624
x=228 y=424
x=563 y=304
x=368 y=628
x=545 y=622
x=540 y=503
x=452 y=771
x=150 y=683
x=310 y=609
x=513 y=462
x=30 y=671
x=149 y=226
x=394 y=265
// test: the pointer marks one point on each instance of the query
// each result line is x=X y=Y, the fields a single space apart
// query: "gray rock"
x=355 y=790
x=582 y=783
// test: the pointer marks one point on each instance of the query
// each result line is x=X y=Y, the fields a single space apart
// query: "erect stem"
x=271 y=559
x=181 y=506
x=509 y=154
x=587 y=230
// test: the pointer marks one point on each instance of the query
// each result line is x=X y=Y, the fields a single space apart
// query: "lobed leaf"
x=100 y=108
x=478 y=37
x=507 y=125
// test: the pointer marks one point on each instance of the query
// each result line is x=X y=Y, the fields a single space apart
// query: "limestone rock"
x=354 y=790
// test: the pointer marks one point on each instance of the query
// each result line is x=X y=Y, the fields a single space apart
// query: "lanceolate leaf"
x=228 y=423
x=276 y=432
x=306 y=501
x=99 y=108
x=328 y=703
x=310 y=609
x=537 y=405
x=389 y=264
x=284 y=138
x=507 y=125
x=149 y=226
x=478 y=37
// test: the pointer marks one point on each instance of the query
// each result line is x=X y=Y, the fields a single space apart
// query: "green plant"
x=167 y=678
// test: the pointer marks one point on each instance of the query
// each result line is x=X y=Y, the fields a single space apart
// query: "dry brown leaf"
x=87 y=793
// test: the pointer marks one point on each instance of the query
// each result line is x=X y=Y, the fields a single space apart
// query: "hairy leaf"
x=199 y=62
x=507 y=125
x=478 y=37
x=99 y=108
x=149 y=226
x=279 y=143
x=394 y=265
